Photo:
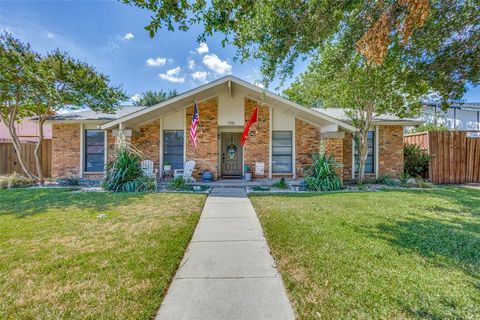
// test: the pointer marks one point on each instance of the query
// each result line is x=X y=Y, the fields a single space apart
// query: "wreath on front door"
x=231 y=151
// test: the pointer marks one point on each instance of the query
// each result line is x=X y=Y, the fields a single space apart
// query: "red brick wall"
x=390 y=151
x=334 y=146
x=65 y=150
x=257 y=146
x=307 y=141
x=111 y=141
x=206 y=153
x=147 y=141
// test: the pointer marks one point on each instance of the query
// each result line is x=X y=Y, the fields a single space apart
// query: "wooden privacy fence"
x=455 y=157
x=9 y=159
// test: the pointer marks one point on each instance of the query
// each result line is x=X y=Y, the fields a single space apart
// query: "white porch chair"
x=148 y=169
x=186 y=172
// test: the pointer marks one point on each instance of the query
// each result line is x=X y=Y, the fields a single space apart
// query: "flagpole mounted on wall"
x=193 y=127
x=253 y=119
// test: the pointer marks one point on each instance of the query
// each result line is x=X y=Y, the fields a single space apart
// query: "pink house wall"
x=26 y=130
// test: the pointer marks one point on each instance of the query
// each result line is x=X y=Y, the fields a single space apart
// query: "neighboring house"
x=458 y=116
x=280 y=144
x=26 y=131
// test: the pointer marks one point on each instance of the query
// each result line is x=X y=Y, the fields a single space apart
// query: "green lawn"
x=58 y=260
x=392 y=254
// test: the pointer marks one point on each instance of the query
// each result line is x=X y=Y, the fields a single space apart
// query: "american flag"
x=193 y=128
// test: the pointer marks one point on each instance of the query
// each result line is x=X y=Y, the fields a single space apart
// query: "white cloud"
x=174 y=71
x=191 y=64
x=128 y=36
x=200 y=75
x=172 y=75
x=258 y=84
x=156 y=62
x=202 y=48
x=214 y=63
x=135 y=97
x=50 y=35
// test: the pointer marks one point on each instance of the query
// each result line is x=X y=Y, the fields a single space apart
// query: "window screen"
x=173 y=148
x=370 y=164
x=94 y=150
x=282 y=152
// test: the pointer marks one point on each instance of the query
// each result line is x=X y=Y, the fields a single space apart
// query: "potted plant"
x=248 y=173
x=207 y=175
x=167 y=166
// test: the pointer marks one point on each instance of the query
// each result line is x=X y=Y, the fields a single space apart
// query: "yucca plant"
x=124 y=172
x=321 y=175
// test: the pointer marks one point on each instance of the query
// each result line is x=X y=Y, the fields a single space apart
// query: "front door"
x=231 y=154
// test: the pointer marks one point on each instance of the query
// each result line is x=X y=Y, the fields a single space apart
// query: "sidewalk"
x=227 y=271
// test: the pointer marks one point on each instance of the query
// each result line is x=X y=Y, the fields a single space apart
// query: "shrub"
x=282 y=184
x=416 y=161
x=124 y=173
x=73 y=181
x=404 y=176
x=15 y=180
x=381 y=179
x=178 y=183
x=260 y=188
x=321 y=175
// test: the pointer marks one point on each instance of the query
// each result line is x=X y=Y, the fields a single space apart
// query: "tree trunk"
x=38 y=148
x=362 y=154
x=10 y=124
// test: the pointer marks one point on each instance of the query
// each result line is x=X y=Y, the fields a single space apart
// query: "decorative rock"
x=102 y=216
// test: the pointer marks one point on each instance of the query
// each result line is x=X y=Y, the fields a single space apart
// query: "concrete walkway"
x=227 y=271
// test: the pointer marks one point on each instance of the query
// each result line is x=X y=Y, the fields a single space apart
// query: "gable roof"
x=142 y=114
x=341 y=114
x=230 y=83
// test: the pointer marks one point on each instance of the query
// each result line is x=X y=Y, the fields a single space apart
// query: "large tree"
x=17 y=65
x=383 y=44
x=440 y=38
x=340 y=78
x=39 y=86
x=149 y=98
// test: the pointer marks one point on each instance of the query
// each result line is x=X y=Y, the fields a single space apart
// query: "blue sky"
x=111 y=36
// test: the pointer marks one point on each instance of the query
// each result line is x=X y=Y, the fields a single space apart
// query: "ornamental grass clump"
x=321 y=175
x=124 y=172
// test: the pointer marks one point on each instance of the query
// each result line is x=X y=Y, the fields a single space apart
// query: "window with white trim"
x=94 y=150
x=282 y=149
x=370 y=163
x=173 y=148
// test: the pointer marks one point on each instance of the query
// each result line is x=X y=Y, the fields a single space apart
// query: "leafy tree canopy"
x=149 y=98
x=40 y=85
x=438 y=38
x=343 y=78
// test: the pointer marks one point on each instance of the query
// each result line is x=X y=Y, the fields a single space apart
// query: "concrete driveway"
x=227 y=271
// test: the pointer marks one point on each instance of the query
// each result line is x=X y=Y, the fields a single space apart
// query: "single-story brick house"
x=281 y=142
